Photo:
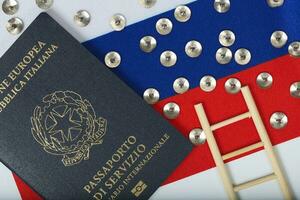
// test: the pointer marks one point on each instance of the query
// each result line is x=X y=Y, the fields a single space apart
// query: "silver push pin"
x=208 y=83
x=223 y=55
x=148 y=44
x=197 y=136
x=182 y=13
x=181 y=85
x=164 y=26
x=151 y=96
x=147 y=3
x=242 y=56
x=222 y=6
x=171 y=110
x=44 y=4
x=118 y=22
x=275 y=3
x=278 y=39
x=264 y=80
x=294 y=49
x=82 y=18
x=295 y=90
x=112 y=59
x=10 y=7
x=226 y=38
x=278 y=120
x=14 y=26
x=233 y=86
x=168 y=58
x=193 y=49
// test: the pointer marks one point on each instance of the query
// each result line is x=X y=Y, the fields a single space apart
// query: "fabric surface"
x=253 y=22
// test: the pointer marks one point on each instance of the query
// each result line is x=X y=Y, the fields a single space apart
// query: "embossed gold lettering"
x=9 y=84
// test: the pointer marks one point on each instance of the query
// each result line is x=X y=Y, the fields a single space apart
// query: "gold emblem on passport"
x=139 y=188
x=65 y=124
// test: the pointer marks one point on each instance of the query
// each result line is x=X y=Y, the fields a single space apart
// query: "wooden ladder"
x=265 y=142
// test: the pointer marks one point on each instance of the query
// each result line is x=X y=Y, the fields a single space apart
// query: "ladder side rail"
x=266 y=141
x=215 y=152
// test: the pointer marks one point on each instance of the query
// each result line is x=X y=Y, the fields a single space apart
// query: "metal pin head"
x=181 y=85
x=14 y=26
x=164 y=26
x=264 y=80
x=82 y=18
x=242 y=56
x=278 y=39
x=118 y=22
x=222 y=6
x=171 y=110
x=223 y=55
x=226 y=38
x=151 y=96
x=233 y=86
x=208 y=83
x=112 y=59
x=44 y=4
x=168 y=58
x=295 y=90
x=294 y=49
x=275 y=3
x=193 y=49
x=182 y=13
x=10 y=7
x=148 y=44
x=278 y=120
x=147 y=3
x=197 y=136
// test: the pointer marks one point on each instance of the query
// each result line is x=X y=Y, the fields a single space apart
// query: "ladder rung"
x=243 y=150
x=254 y=182
x=231 y=121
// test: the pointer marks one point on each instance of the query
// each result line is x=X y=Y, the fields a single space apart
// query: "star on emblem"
x=64 y=126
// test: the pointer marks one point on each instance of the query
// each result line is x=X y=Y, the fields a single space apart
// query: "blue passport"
x=71 y=129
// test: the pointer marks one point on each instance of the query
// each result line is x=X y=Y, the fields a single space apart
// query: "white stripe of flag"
x=8 y=187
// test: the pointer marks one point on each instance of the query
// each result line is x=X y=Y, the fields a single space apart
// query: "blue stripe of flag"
x=252 y=21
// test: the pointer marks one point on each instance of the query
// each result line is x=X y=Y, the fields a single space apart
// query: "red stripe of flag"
x=220 y=105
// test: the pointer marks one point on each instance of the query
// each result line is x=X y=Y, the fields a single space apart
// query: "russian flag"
x=252 y=22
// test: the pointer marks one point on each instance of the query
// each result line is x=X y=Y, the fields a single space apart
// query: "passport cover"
x=71 y=129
